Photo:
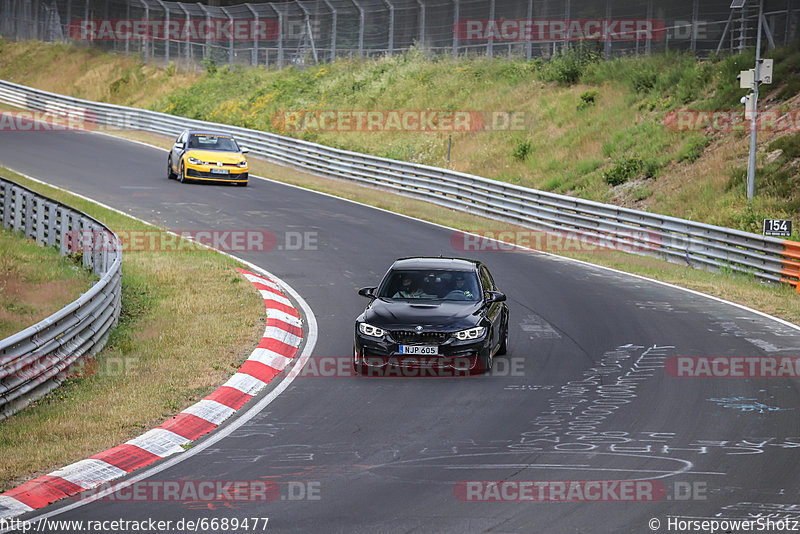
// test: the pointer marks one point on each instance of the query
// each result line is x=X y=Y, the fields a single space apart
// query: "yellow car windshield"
x=213 y=142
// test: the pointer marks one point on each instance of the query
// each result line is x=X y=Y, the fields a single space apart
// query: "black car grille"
x=411 y=337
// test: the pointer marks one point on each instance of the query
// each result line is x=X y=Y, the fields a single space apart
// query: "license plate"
x=425 y=350
x=219 y=171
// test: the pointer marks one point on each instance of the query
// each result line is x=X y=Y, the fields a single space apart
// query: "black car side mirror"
x=179 y=146
x=368 y=292
x=495 y=296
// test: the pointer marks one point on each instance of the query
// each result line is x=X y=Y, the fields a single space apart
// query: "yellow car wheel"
x=170 y=173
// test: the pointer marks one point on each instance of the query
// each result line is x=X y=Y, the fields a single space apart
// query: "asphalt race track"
x=394 y=454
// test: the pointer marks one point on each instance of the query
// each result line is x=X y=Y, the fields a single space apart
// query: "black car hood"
x=406 y=314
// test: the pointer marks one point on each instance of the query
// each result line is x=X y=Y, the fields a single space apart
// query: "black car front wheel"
x=503 y=348
x=486 y=360
x=358 y=366
x=182 y=173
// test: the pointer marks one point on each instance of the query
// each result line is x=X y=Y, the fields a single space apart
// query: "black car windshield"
x=430 y=285
x=213 y=142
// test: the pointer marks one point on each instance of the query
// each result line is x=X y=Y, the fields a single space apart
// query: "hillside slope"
x=602 y=130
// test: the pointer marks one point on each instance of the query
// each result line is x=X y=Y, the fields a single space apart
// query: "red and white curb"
x=279 y=344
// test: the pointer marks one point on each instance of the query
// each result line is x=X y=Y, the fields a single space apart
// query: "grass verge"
x=35 y=282
x=188 y=321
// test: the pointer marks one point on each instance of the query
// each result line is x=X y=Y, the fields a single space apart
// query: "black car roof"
x=453 y=264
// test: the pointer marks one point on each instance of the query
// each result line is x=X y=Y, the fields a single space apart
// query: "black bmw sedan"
x=431 y=317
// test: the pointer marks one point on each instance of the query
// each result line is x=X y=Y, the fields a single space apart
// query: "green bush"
x=790 y=144
x=693 y=149
x=624 y=170
x=568 y=66
x=588 y=98
x=210 y=65
x=522 y=150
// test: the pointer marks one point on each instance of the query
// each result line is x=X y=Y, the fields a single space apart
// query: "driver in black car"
x=407 y=289
x=462 y=287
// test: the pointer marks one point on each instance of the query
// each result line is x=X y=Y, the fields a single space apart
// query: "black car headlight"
x=371 y=331
x=195 y=161
x=470 y=333
x=242 y=164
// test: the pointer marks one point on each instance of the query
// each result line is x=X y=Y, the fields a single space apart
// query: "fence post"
x=391 y=26
x=648 y=44
x=166 y=31
x=455 y=27
x=607 y=46
x=280 y=39
x=333 y=29
x=69 y=16
x=361 y=23
x=186 y=29
x=207 y=47
x=422 y=22
x=147 y=22
x=230 y=39
x=307 y=21
x=254 y=55
x=35 y=12
x=128 y=17
x=695 y=9
x=490 y=44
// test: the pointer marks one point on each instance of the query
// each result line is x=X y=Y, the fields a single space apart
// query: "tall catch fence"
x=277 y=34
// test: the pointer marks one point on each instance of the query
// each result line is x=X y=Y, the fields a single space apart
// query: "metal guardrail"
x=37 y=359
x=678 y=240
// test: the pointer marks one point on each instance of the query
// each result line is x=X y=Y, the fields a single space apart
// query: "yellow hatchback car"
x=208 y=157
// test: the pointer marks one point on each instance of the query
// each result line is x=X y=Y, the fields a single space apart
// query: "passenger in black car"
x=407 y=289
